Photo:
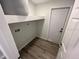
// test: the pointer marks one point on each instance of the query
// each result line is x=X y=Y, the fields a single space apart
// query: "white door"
x=73 y=46
x=57 y=22
x=8 y=48
x=70 y=42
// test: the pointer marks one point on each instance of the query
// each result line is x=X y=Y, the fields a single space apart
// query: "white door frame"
x=64 y=27
x=7 y=44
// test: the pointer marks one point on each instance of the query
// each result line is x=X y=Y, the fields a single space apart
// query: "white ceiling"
x=40 y=1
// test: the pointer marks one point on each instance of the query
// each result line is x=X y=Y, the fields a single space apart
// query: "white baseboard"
x=48 y=40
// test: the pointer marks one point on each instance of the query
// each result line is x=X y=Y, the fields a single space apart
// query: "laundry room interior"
x=37 y=26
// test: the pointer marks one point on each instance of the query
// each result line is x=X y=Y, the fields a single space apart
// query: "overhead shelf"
x=17 y=19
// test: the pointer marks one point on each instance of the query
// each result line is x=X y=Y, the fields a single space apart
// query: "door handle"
x=61 y=30
x=60 y=44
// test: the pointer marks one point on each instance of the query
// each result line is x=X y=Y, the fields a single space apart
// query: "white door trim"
x=65 y=19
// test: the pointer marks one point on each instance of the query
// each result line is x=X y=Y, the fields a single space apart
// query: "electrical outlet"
x=17 y=30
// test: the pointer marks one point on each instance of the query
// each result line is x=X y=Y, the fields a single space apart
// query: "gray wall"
x=14 y=7
x=27 y=33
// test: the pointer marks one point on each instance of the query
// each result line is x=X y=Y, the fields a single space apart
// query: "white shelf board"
x=16 y=19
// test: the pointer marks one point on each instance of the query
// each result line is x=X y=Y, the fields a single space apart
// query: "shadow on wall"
x=13 y=7
x=40 y=25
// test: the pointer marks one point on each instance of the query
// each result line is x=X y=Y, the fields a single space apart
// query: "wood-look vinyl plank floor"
x=39 y=49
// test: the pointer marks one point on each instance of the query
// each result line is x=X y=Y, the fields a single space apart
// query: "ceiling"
x=40 y=1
